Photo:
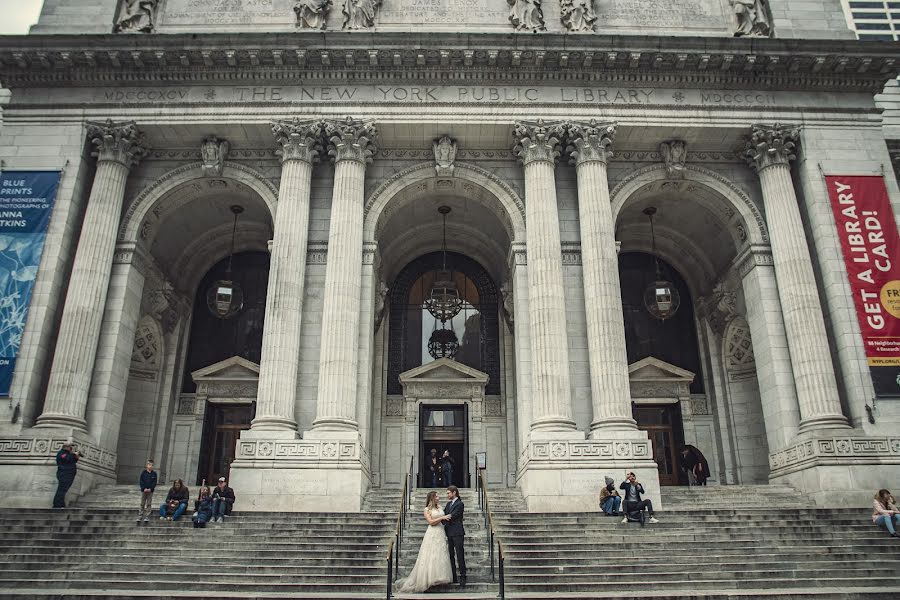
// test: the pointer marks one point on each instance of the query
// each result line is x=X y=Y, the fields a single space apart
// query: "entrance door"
x=444 y=428
x=661 y=423
x=223 y=426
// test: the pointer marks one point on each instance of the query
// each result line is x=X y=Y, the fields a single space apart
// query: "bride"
x=433 y=564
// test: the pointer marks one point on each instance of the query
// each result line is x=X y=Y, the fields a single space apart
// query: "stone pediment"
x=654 y=369
x=230 y=369
x=444 y=370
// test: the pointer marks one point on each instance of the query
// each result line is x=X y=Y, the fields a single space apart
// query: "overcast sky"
x=16 y=16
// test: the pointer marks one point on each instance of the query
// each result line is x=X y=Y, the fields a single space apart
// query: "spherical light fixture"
x=225 y=298
x=443 y=343
x=443 y=301
x=661 y=298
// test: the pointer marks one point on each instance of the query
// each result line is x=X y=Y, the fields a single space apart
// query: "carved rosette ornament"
x=117 y=142
x=577 y=15
x=590 y=141
x=771 y=145
x=537 y=141
x=360 y=14
x=214 y=153
x=351 y=140
x=299 y=140
x=137 y=16
x=674 y=154
x=312 y=14
x=526 y=15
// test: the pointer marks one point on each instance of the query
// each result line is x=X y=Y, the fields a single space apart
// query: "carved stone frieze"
x=740 y=361
x=493 y=407
x=213 y=154
x=754 y=257
x=566 y=450
x=537 y=141
x=771 y=145
x=120 y=142
x=577 y=15
x=444 y=156
x=312 y=14
x=835 y=451
x=393 y=406
x=137 y=16
x=350 y=139
x=40 y=451
x=674 y=154
x=298 y=139
x=590 y=141
x=752 y=18
x=526 y=15
x=311 y=452
x=360 y=14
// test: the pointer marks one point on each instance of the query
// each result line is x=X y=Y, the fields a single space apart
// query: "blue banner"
x=26 y=203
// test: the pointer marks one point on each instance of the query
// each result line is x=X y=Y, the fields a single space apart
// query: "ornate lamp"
x=444 y=302
x=661 y=298
x=443 y=343
x=225 y=298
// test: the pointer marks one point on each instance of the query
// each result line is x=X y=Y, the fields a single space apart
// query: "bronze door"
x=443 y=428
x=224 y=423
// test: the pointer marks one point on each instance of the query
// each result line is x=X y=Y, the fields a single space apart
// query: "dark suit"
x=456 y=536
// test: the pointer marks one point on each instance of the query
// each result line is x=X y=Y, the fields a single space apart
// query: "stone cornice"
x=333 y=56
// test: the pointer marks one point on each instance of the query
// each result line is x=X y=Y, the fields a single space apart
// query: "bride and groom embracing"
x=442 y=546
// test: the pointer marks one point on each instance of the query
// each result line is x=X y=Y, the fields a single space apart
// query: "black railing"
x=393 y=552
x=493 y=539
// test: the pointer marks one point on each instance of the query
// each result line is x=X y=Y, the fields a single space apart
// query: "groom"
x=456 y=533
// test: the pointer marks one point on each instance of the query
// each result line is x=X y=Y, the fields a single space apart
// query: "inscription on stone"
x=425 y=12
x=661 y=14
x=228 y=12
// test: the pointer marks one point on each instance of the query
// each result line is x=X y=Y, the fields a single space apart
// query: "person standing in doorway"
x=447 y=468
x=147 y=484
x=66 y=460
x=434 y=467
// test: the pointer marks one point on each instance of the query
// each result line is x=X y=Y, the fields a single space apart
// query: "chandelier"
x=443 y=343
x=225 y=298
x=443 y=302
x=661 y=298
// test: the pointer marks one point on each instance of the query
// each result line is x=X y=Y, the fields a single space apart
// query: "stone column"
x=351 y=145
x=119 y=146
x=589 y=148
x=280 y=362
x=538 y=146
x=770 y=151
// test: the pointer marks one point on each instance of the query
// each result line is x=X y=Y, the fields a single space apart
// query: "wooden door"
x=442 y=428
x=224 y=423
x=660 y=421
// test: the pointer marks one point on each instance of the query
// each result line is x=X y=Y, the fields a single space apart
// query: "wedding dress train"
x=433 y=563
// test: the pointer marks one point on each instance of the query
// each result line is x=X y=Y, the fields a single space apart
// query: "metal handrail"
x=392 y=557
x=485 y=504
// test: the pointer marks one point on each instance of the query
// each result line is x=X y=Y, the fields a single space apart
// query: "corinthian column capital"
x=537 y=141
x=590 y=142
x=771 y=145
x=119 y=142
x=351 y=140
x=299 y=140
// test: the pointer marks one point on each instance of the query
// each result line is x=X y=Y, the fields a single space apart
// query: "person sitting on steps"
x=204 y=508
x=633 y=506
x=609 y=498
x=176 y=502
x=885 y=513
x=222 y=501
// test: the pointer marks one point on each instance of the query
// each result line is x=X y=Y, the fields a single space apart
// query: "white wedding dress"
x=433 y=563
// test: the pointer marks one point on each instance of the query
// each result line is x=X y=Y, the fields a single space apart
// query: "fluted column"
x=351 y=145
x=119 y=146
x=538 y=146
x=589 y=149
x=280 y=362
x=770 y=151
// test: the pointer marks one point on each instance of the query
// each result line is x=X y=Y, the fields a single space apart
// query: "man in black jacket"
x=456 y=533
x=632 y=505
x=147 y=483
x=65 y=473
x=222 y=501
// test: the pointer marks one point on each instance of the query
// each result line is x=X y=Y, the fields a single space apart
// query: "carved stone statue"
x=360 y=14
x=444 y=156
x=137 y=16
x=722 y=307
x=526 y=15
x=752 y=18
x=213 y=153
x=381 y=303
x=577 y=15
x=674 y=154
x=506 y=293
x=312 y=14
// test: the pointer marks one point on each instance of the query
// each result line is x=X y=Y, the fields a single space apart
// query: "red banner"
x=868 y=233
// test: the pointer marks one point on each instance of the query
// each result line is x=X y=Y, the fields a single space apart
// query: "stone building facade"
x=548 y=128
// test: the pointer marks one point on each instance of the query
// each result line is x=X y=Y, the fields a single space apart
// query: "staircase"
x=711 y=542
x=96 y=550
x=477 y=554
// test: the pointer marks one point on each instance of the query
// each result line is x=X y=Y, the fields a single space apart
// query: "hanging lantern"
x=225 y=298
x=661 y=298
x=444 y=301
x=443 y=343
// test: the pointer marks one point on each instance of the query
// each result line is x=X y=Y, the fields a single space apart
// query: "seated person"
x=885 y=513
x=203 y=505
x=176 y=502
x=609 y=498
x=632 y=505
x=222 y=501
